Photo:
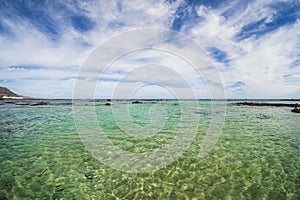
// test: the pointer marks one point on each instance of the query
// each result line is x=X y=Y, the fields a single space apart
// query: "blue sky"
x=254 y=44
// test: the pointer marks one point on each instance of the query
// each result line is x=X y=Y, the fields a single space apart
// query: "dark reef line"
x=266 y=104
x=293 y=105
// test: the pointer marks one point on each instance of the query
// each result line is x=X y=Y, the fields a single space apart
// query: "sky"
x=254 y=47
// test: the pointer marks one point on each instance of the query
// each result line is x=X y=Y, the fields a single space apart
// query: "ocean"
x=54 y=152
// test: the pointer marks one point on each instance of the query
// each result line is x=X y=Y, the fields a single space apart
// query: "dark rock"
x=108 y=100
x=264 y=104
x=10 y=102
x=296 y=110
x=137 y=102
x=263 y=117
x=42 y=103
x=107 y=104
x=89 y=175
x=59 y=188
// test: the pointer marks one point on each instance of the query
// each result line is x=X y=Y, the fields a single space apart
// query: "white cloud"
x=27 y=45
x=168 y=62
x=260 y=63
x=32 y=47
x=265 y=63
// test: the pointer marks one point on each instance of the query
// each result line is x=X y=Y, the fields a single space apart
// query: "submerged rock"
x=42 y=103
x=137 y=102
x=10 y=102
x=59 y=188
x=296 y=110
x=264 y=104
x=263 y=117
x=89 y=175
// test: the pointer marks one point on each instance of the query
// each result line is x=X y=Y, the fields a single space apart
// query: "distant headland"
x=7 y=94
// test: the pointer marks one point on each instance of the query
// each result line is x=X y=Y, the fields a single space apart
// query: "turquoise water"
x=256 y=157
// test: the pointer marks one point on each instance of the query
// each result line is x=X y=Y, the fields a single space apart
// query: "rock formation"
x=7 y=94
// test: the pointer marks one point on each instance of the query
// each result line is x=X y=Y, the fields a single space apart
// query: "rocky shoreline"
x=266 y=104
x=41 y=103
x=295 y=106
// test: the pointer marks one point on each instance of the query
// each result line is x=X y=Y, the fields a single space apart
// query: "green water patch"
x=256 y=157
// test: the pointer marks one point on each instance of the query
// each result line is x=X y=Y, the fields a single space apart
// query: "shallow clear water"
x=256 y=157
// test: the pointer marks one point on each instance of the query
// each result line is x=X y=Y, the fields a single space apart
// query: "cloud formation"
x=254 y=44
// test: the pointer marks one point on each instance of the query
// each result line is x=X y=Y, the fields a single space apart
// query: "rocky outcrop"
x=137 y=102
x=296 y=110
x=8 y=94
x=42 y=103
x=265 y=104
